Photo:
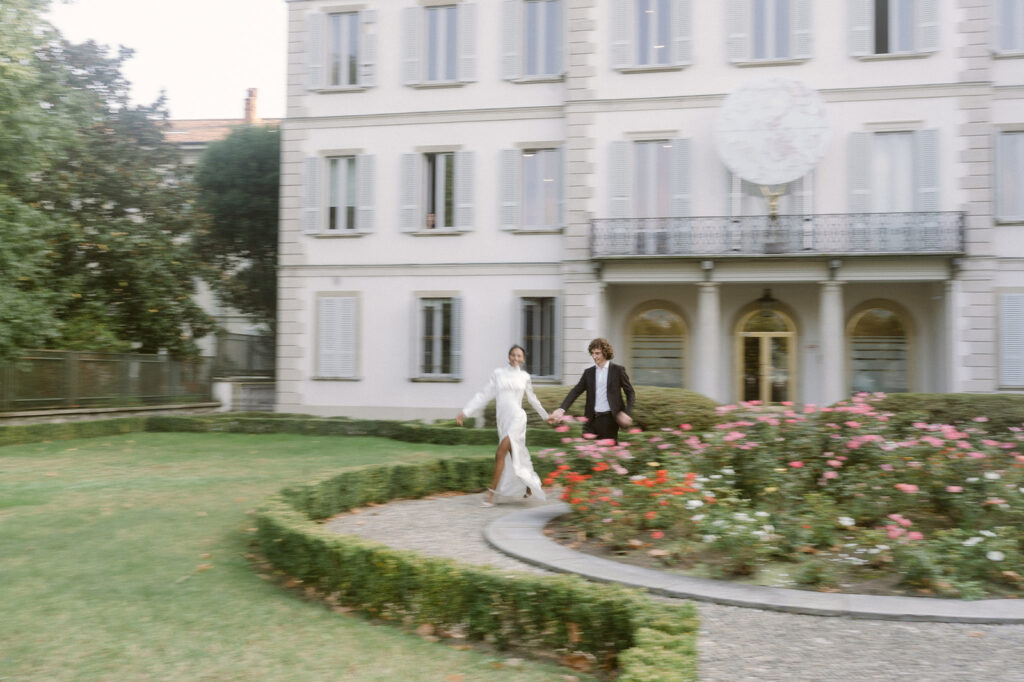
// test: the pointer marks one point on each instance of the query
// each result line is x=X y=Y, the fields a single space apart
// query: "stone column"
x=952 y=331
x=833 y=343
x=706 y=354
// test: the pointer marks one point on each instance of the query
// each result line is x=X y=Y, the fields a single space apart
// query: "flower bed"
x=845 y=495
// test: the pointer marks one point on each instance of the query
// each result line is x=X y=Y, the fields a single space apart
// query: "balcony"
x=840 y=234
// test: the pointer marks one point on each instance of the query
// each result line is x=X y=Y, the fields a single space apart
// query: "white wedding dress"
x=506 y=386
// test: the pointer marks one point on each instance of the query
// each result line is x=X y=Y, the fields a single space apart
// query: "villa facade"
x=461 y=176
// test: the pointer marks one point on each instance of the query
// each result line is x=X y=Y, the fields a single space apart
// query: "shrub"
x=1002 y=410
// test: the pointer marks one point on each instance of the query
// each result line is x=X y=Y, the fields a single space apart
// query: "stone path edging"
x=520 y=535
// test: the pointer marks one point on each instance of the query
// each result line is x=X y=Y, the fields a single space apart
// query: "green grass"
x=125 y=558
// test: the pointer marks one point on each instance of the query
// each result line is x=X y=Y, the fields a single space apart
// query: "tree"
x=238 y=187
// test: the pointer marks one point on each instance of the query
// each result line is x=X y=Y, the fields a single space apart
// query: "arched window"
x=657 y=337
x=878 y=352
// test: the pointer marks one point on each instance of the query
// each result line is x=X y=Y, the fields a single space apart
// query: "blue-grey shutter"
x=511 y=38
x=409 y=193
x=735 y=196
x=858 y=165
x=623 y=18
x=926 y=35
x=926 y=170
x=563 y=219
x=1011 y=340
x=365 y=172
x=466 y=28
x=620 y=195
x=801 y=29
x=463 y=191
x=347 y=337
x=311 y=195
x=681 y=178
x=802 y=191
x=314 y=51
x=738 y=28
x=336 y=337
x=862 y=32
x=456 y=337
x=682 y=32
x=367 y=48
x=511 y=188
x=411 y=32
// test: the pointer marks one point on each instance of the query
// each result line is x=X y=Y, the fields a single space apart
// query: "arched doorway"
x=657 y=344
x=878 y=350
x=766 y=356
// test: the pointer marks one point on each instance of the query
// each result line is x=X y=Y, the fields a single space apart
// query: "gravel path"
x=736 y=644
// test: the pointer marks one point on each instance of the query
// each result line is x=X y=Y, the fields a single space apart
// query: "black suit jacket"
x=618 y=383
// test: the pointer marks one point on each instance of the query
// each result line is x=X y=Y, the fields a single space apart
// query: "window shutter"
x=336 y=337
x=738 y=27
x=735 y=182
x=623 y=18
x=862 y=33
x=311 y=195
x=802 y=30
x=511 y=188
x=1011 y=340
x=411 y=73
x=365 y=172
x=409 y=207
x=682 y=32
x=926 y=36
x=466 y=28
x=463 y=191
x=620 y=193
x=858 y=164
x=681 y=178
x=456 y=332
x=511 y=38
x=802 y=191
x=367 y=48
x=563 y=219
x=926 y=170
x=314 y=51
x=416 y=338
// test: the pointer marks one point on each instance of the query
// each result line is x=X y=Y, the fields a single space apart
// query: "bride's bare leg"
x=499 y=465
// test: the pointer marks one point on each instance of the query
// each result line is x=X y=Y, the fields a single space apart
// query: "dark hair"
x=606 y=348
x=514 y=346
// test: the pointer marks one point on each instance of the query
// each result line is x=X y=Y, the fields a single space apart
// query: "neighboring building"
x=461 y=176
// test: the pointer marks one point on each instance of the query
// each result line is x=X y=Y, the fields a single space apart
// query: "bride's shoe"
x=490 y=502
x=528 y=493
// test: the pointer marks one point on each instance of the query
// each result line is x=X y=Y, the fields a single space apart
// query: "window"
x=341 y=50
x=439 y=44
x=533 y=39
x=1011 y=340
x=437 y=192
x=650 y=179
x=532 y=192
x=651 y=33
x=657 y=349
x=336 y=320
x=769 y=30
x=1010 y=176
x=440 y=348
x=538 y=334
x=747 y=198
x=349 y=192
x=878 y=352
x=894 y=171
x=882 y=27
x=1008 y=27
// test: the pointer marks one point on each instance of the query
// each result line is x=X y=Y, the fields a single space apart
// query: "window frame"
x=425 y=301
x=318 y=190
x=319 y=50
x=420 y=37
x=542 y=298
x=862 y=34
x=1004 y=26
x=1008 y=165
x=336 y=37
x=625 y=36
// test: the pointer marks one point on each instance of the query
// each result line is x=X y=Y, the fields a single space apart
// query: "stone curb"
x=520 y=535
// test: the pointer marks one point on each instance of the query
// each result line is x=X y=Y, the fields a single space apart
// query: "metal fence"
x=49 y=379
x=244 y=355
x=808 y=235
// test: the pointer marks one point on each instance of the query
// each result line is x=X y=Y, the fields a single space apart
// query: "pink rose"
x=954 y=489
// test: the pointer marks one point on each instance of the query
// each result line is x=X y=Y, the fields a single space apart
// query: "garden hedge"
x=648 y=640
x=1002 y=410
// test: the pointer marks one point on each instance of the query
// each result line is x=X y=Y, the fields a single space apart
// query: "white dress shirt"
x=601 y=388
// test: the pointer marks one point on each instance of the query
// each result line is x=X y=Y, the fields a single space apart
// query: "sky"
x=204 y=53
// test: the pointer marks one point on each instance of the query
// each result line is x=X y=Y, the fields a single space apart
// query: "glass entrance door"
x=766 y=358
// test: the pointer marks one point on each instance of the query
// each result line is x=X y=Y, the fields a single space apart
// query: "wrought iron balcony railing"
x=790 y=235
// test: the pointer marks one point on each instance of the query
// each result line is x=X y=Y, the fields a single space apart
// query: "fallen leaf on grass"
x=200 y=513
x=50 y=473
x=203 y=567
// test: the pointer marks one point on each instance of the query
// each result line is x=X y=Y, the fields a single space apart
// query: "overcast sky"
x=203 y=53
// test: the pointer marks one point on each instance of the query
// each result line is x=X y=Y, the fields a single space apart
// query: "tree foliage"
x=97 y=199
x=238 y=187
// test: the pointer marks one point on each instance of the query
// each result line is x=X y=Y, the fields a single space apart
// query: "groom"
x=604 y=384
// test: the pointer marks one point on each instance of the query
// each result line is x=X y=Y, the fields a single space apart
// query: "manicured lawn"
x=125 y=558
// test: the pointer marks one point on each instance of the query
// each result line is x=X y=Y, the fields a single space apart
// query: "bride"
x=513 y=472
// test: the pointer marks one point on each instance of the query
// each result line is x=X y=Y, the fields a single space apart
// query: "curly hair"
x=606 y=348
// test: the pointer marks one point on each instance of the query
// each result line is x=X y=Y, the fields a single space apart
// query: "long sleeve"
x=532 y=397
x=477 y=402
x=627 y=388
x=580 y=387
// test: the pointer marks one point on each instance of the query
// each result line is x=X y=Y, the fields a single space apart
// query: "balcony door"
x=766 y=357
